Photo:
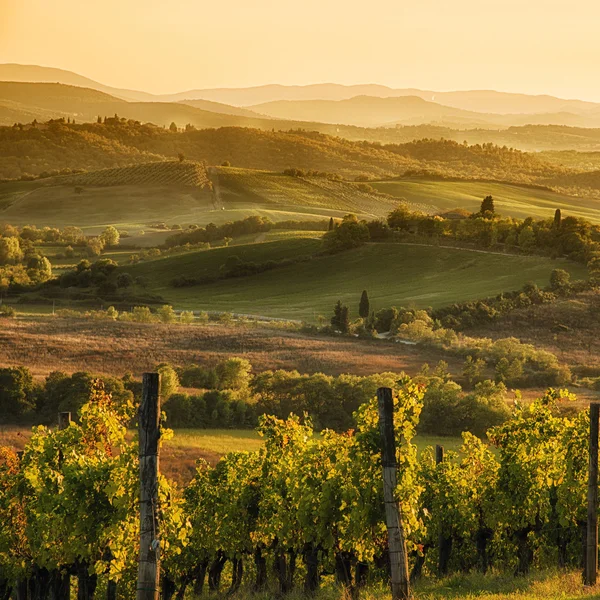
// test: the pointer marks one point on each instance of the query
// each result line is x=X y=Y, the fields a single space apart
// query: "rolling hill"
x=38 y=74
x=178 y=193
x=393 y=274
x=484 y=101
x=368 y=111
x=510 y=200
x=36 y=149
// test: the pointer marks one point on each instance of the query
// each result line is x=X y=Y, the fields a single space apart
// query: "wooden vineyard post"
x=444 y=542
x=393 y=518
x=591 y=545
x=149 y=434
x=64 y=420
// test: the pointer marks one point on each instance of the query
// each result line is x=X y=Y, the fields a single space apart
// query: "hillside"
x=179 y=194
x=37 y=74
x=367 y=111
x=393 y=274
x=19 y=101
x=510 y=200
x=483 y=101
x=174 y=173
x=33 y=150
x=224 y=109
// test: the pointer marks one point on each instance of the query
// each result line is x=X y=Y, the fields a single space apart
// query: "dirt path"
x=459 y=248
x=213 y=175
x=19 y=200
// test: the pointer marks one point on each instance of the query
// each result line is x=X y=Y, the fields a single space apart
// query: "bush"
x=7 y=311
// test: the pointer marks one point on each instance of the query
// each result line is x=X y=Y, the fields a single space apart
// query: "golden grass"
x=46 y=344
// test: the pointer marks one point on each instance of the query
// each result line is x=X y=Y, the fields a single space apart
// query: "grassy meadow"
x=510 y=200
x=393 y=274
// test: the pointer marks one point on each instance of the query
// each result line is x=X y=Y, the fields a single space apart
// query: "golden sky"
x=532 y=46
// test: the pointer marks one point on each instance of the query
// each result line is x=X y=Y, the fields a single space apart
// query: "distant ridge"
x=483 y=101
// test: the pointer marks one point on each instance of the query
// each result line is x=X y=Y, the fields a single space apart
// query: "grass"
x=46 y=343
x=393 y=274
x=510 y=200
x=222 y=441
x=205 y=263
x=140 y=195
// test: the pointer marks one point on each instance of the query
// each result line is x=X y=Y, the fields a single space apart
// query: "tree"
x=364 y=306
x=169 y=381
x=166 y=314
x=17 y=391
x=400 y=217
x=124 y=280
x=99 y=120
x=487 y=206
x=331 y=226
x=557 y=218
x=39 y=268
x=526 y=238
x=110 y=236
x=559 y=279
x=233 y=373
x=473 y=370
x=10 y=251
x=181 y=157
x=173 y=127
x=341 y=318
x=349 y=234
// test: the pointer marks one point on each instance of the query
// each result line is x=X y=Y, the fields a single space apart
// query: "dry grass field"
x=569 y=328
x=46 y=344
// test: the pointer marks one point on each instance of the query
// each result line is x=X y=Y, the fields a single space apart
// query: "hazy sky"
x=534 y=46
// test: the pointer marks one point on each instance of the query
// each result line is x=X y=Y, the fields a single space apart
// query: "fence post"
x=64 y=420
x=444 y=542
x=591 y=546
x=149 y=434
x=393 y=517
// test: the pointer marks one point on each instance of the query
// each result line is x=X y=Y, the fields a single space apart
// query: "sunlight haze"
x=542 y=47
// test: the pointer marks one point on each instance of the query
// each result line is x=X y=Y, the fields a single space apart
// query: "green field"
x=510 y=200
x=240 y=193
x=393 y=274
x=133 y=207
x=222 y=441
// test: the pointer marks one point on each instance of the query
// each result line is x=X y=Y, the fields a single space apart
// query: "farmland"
x=511 y=200
x=393 y=274
x=46 y=344
x=178 y=193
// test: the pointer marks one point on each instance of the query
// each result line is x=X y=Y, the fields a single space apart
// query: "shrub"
x=7 y=311
x=186 y=317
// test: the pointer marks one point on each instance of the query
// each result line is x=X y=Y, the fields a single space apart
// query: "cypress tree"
x=487 y=205
x=337 y=314
x=341 y=317
x=344 y=320
x=557 y=218
x=364 y=306
x=331 y=224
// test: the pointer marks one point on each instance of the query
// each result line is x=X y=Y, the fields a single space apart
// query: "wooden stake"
x=393 y=517
x=591 y=547
x=149 y=434
x=64 y=420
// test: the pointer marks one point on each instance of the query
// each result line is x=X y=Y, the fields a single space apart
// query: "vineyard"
x=185 y=173
x=310 y=192
x=303 y=509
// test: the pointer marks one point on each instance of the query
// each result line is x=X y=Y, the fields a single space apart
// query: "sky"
x=159 y=46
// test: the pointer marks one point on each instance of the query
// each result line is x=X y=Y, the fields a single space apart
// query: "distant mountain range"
x=29 y=91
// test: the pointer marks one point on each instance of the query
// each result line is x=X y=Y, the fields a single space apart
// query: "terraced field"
x=393 y=274
x=314 y=193
x=184 y=173
x=511 y=200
